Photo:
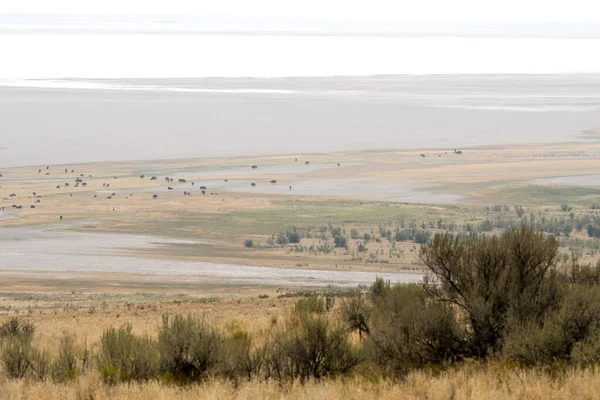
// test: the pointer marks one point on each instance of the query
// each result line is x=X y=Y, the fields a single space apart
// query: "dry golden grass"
x=462 y=383
x=466 y=381
x=89 y=322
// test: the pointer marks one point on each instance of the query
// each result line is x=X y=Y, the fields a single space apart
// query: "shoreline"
x=278 y=156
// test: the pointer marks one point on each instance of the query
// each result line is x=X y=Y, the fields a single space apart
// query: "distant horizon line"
x=294 y=26
x=8 y=81
x=282 y=33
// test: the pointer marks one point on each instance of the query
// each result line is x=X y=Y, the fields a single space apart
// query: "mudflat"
x=76 y=121
x=219 y=223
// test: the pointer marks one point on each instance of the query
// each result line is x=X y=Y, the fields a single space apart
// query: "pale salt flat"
x=64 y=255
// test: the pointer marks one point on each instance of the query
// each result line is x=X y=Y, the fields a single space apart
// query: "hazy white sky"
x=490 y=10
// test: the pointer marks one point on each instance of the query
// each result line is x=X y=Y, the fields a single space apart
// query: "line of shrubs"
x=501 y=297
x=189 y=349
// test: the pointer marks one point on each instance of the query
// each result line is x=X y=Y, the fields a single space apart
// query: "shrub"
x=408 y=330
x=277 y=363
x=189 y=347
x=422 y=237
x=238 y=357
x=356 y=314
x=418 y=235
x=329 y=303
x=380 y=289
x=16 y=327
x=574 y=325
x=587 y=352
x=282 y=238
x=336 y=231
x=583 y=274
x=66 y=366
x=519 y=210
x=293 y=237
x=126 y=357
x=565 y=207
x=310 y=305
x=486 y=226
x=488 y=278
x=21 y=359
x=531 y=344
x=311 y=347
x=339 y=241
x=248 y=243
x=593 y=231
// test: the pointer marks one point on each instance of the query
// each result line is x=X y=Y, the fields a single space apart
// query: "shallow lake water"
x=66 y=254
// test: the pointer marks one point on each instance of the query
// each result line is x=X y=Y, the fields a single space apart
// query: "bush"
x=336 y=231
x=16 y=327
x=329 y=303
x=189 y=347
x=310 y=305
x=531 y=344
x=310 y=347
x=583 y=274
x=126 y=357
x=408 y=331
x=66 y=366
x=356 y=314
x=593 y=231
x=238 y=357
x=574 y=325
x=417 y=235
x=293 y=237
x=565 y=207
x=519 y=210
x=380 y=289
x=421 y=237
x=21 y=359
x=490 y=278
x=587 y=352
x=282 y=238
x=339 y=241
x=248 y=243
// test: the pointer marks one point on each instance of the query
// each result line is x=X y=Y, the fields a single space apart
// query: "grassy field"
x=358 y=222
x=486 y=184
x=469 y=380
x=463 y=383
